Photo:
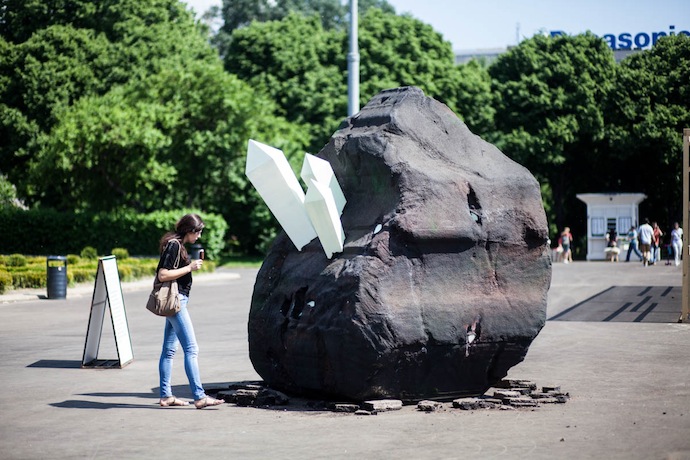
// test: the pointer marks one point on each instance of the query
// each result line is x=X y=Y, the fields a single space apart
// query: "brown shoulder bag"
x=164 y=299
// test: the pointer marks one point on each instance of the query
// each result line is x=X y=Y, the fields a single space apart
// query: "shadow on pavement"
x=56 y=364
x=632 y=304
x=76 y=404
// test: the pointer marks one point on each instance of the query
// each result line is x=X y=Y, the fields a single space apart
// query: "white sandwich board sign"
x=107 y=292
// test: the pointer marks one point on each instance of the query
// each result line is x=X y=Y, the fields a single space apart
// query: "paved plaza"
x=626 y=374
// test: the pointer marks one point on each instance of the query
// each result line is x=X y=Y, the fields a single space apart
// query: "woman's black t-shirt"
x=168 y=258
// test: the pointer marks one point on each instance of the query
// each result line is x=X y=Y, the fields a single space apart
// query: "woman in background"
x=656 y=243
x=677 y=243
x=566 y=241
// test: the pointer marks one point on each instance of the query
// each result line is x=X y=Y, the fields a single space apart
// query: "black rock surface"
x=438 y=303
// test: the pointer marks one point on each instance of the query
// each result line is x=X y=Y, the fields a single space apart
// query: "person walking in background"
x=179 y=326
x=646 y=235
x=565 y=242
x=632 y=245
x=656 y=243
x=677 y=242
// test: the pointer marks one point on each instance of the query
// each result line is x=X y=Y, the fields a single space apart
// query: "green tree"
x=646 y=111
x=8 y=194
x=131 y=109
x=235 y=14
x=331 y=13
x=47 y=72
x=294 y=62
x=549 y=115
x=175 y=139
x=303 y=67
x=475 y=100
x=404 y=51
x=59 y=63
x=20 y=19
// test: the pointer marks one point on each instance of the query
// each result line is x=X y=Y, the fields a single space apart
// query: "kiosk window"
x=610 y=223
x=598 y=226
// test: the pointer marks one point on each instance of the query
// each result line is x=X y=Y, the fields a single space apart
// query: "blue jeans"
x=180 y=327
x=633 y=247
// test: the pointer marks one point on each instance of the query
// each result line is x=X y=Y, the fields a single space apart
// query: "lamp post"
x=353 y=64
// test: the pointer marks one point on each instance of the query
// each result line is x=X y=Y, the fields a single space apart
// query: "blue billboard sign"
x=627 y=41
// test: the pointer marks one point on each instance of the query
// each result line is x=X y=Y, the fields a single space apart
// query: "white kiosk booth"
x=606 y=211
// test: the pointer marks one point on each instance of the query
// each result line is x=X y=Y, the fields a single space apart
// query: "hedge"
x=5 y=281
x=34 y=274
x=49 y=232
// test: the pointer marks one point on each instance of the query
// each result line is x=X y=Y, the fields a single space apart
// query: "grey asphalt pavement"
x=628 y=381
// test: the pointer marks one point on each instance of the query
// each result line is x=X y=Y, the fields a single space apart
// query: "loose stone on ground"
x=514 y=394
x=507 y=394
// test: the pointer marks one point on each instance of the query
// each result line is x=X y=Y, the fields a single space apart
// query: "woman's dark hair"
x=189 y=223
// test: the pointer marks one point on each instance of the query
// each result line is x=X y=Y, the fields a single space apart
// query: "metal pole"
x=353 y=64
x=686 y=225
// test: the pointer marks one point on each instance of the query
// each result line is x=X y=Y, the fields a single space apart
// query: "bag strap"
x=177 y=261
x=179 y=251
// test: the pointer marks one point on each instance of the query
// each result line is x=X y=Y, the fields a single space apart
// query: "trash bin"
x=57 y=277
x=195 y=251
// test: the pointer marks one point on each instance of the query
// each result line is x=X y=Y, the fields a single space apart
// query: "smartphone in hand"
x=201 y=254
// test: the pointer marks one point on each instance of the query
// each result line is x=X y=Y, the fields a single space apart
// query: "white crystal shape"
x=270 y=173
x=320 y=170
x=325 y=217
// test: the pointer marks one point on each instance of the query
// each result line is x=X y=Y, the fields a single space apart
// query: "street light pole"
x=353 y=64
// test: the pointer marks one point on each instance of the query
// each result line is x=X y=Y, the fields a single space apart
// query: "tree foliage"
x=303 y=67
x=123 y=106
x=548 y=112
x=235 y=14
x=332 y=13
x=647 y=110
x=59 y=62
x=137 y=113
x=403 y=51
x=475 y=101
x=302 y=75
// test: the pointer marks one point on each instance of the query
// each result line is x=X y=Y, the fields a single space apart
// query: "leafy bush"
x=33 y=274
x=143 y=268
x=16 y=260
x=125 y=272
x=208 y=267
x=120 y=253
x=88 y=264
x=81 y=275
x=30 y=279
x=5 y=281
x=89 y=253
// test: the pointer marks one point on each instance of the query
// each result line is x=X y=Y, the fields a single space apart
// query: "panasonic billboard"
x=627 y=41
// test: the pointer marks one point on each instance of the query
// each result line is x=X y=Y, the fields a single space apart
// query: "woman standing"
x=656 y=243
x=179 y=326
x=566 y=241
x=677 y=242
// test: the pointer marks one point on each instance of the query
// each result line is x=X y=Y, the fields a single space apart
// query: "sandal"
x=174 y=402
x=207 y=401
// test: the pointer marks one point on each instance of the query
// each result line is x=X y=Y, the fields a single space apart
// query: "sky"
x=487 y=24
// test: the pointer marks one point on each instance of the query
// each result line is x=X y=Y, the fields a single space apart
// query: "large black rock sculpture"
x=442 y=284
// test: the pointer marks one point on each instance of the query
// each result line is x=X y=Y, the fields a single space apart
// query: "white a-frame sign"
x=107 y=292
